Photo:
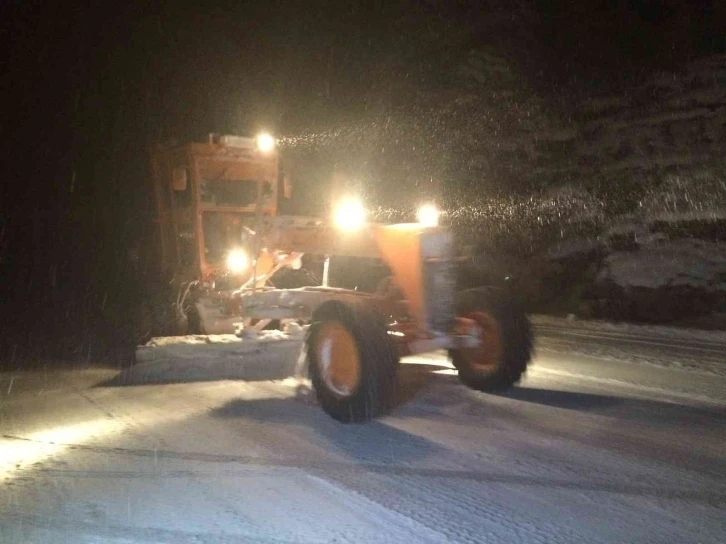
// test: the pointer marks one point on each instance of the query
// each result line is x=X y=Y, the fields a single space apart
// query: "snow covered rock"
x=689 y=262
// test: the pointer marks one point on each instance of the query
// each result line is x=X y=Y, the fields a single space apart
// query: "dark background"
x=409 y=99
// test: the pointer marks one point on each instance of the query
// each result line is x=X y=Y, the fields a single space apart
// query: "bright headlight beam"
x=349 y=215
x=428 y=215
x=237 y=261
x=265 y=142
x=17 y=453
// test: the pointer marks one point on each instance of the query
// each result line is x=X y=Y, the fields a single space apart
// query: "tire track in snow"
x=327 y=466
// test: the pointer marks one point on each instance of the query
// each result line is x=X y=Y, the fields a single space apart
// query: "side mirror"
x=179 y=179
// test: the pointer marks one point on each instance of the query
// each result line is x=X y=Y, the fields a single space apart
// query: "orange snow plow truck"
x=223 y=241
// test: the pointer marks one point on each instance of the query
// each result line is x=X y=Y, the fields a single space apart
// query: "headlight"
x=237 y=261
x=349 y=215
x=265 y=142
x=428 y=215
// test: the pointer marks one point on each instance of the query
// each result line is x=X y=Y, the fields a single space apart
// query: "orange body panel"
x=400 y=248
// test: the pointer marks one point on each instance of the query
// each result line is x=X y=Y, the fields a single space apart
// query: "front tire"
x=506 y=341
x=352 y=362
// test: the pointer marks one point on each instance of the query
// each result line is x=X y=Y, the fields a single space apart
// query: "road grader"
x=223 y=240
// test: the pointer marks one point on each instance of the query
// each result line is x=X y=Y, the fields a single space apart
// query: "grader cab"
x=208 y=197
x=222 y=235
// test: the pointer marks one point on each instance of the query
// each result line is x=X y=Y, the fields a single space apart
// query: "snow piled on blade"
x=203 y=339
x=270 y=355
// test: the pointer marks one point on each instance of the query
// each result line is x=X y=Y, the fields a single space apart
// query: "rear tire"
x=352 y=362
x=506 y=341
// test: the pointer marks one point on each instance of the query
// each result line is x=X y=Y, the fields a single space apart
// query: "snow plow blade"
x=270 y=355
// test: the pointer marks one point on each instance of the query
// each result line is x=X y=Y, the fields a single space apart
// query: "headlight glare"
x=237 y=261
x=349 y=215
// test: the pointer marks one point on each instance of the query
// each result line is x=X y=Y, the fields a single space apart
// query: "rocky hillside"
x=663 y=135
x=631 y=219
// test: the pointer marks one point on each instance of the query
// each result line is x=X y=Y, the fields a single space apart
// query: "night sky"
x=369 y=88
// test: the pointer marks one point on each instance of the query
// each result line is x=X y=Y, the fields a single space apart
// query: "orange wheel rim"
x=488 y=354
x=338 y=359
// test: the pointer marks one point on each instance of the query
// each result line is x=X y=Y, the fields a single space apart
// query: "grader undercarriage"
x=351 y=340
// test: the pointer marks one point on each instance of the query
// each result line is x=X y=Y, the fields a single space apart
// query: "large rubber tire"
x=375 y=391
x=514 y=342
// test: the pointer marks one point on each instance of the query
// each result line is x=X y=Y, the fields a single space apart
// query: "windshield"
x=234 y=183
x=228 y=192
x=224 y=231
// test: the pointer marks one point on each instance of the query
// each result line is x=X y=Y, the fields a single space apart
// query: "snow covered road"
x=597 y=444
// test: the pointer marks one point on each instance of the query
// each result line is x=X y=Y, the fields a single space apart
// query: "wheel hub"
x=338 y=359
x=488 y=354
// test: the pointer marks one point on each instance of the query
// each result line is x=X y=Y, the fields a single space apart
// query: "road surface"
x=590 y=447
